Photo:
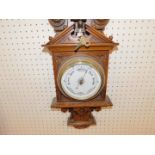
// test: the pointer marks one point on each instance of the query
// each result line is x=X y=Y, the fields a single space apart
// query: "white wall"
x=27 y=86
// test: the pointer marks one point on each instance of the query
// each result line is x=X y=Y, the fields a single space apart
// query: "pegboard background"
x=27 y=85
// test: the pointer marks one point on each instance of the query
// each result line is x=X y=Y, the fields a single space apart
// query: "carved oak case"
x=80 y=54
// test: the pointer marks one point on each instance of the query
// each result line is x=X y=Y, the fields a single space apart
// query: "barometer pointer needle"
x=81 y=79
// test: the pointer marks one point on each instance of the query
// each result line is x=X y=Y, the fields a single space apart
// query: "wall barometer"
x=80 y=54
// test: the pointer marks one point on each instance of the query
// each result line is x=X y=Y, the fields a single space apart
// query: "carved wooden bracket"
x=81 y=117
x=81 y=114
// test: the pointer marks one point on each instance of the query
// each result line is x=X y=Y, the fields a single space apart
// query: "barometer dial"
x=81 y=78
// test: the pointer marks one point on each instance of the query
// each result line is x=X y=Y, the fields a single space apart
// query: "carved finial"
x=99 y=24
x=79 y=27
x=111 y=37
x=50 y=38
x=58 y=24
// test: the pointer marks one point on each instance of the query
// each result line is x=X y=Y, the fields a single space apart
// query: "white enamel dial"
x=81 y=81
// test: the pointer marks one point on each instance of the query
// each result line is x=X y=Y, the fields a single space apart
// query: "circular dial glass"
x=81 y=81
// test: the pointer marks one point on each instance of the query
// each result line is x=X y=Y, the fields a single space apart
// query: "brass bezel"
x=80 y=60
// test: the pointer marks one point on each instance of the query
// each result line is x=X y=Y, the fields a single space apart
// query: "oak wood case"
x=62 y=47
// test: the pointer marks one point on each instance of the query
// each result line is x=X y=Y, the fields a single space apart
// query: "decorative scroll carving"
x=58 y=24
x=81 y=117
x=99 y=24
x=79 y=27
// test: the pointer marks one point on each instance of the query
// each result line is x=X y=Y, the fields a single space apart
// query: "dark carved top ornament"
x=60 y=24
x=99 y=24
x=81 y=34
